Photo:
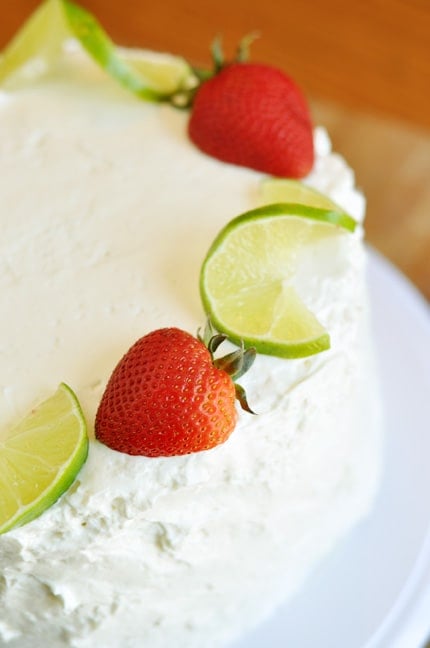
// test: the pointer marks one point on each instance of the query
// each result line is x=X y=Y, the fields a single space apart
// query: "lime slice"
x=40 y=458
x=164 y=73
x=293 y=191
x=41 y=38
x=151 y=77
x=247 y=280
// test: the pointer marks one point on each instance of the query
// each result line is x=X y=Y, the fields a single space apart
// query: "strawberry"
x=168 y=396
x=253 y=115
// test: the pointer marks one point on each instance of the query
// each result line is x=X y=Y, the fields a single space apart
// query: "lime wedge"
x=165 y=73
x=247 y=278
x=40 y=458
x=276 y=190
x=145 y=76
x=41 y=38
x=151 y=77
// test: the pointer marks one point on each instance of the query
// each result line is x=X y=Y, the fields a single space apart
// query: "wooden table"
x=365 y=67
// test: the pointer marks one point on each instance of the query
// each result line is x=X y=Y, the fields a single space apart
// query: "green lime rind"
x=54 y=419
x=332 y=216
x=43 y=36
x=291 y=351
x=286 y=190
x=277 y=348
x=306 y=346
x=87 y=30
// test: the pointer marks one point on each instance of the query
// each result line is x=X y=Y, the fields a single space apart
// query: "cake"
x=108 y=212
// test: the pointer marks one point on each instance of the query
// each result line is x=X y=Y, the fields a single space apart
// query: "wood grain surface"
x=365 y=67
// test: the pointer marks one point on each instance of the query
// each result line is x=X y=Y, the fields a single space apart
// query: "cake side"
x=107 y=238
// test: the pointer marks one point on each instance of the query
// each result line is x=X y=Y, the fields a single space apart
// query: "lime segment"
x=40 y=38
x=163 y=73
x=151 y=77
x=40 y=458
x=248 y=279
x=277 y=190
x=148 y=77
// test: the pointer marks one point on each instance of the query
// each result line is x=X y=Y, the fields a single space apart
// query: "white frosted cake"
x=107 y=213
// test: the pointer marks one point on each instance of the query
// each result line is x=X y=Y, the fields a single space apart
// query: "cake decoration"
x=40 y=458
x=42 y=38
x=249 y=114
x=169 y=396
x=253 y=115
x=259 y=264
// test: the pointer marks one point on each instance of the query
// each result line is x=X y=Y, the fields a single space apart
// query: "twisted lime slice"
x=151 y=77
x=40 y=458
x=247 y=280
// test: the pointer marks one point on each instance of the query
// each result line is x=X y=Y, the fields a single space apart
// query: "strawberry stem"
x=242 y=53
x=208 y=333
x=215 y=342
x=217 y=54
x=235 y=364
x=241 y=397
x=183 y=98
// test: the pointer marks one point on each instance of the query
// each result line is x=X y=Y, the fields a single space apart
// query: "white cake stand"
x=373 y=591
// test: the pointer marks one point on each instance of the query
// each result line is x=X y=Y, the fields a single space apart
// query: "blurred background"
x=365 y=67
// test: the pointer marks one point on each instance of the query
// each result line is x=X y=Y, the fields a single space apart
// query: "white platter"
x=373 y=591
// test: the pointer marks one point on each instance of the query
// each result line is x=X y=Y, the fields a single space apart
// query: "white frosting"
x=107 y=213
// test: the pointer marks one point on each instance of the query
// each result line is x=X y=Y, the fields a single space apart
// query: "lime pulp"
x=40 y=458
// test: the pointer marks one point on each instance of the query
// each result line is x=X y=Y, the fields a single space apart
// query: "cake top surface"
x=106 y=243
x=128 y=177
x=109 y=210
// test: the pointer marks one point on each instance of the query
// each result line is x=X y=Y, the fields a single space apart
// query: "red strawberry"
x=254 y=115
x=168 y=396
